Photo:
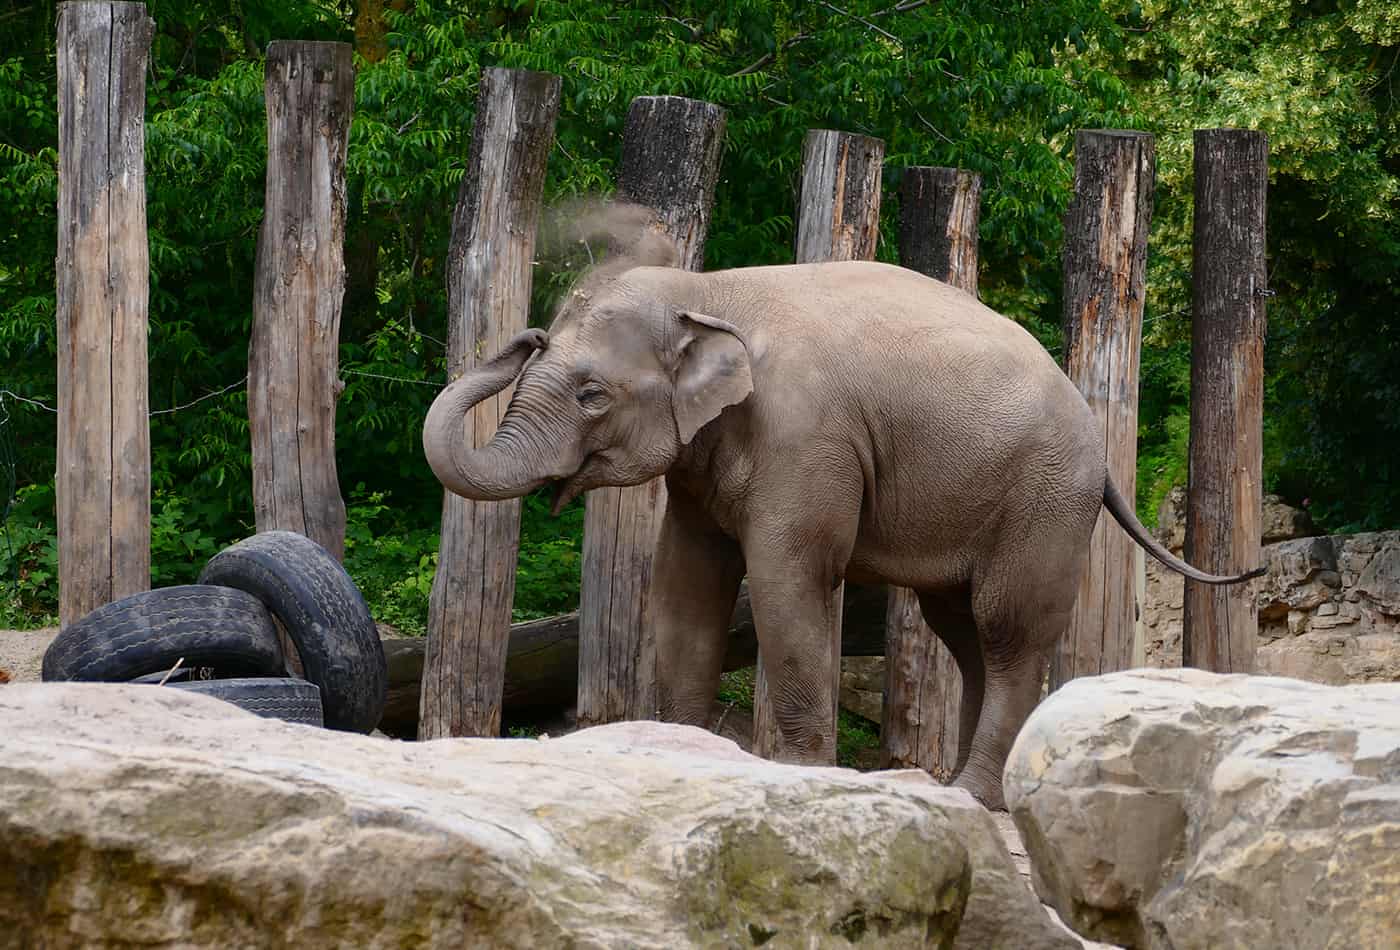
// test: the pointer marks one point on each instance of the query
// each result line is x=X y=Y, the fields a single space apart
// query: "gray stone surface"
x=152 y=816
x=1180 y=808
x=1329 y=606
x=863 y=686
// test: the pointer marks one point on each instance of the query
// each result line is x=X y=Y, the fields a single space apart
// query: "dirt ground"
x=22 y=652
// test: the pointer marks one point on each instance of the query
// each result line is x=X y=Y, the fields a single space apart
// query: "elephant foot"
x=984 y=788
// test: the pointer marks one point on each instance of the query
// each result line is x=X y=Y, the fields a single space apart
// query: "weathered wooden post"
x=1105 y=263
x=298 y=290
x=938 y=213
x=671 y=148
x=1224 y=494
x=103 y=285
x=838 y=219
x=488 y=290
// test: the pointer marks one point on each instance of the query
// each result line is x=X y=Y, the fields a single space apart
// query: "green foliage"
x=856 y=738
x=393 y=563
x=1321 y=80
x=551 y=550
x=28 y=560
x=995 y=87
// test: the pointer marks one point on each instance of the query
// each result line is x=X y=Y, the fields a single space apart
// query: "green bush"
x=29 y=560
x=394 y=563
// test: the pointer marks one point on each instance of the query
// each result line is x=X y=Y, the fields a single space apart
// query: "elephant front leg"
x=795 y=588
x=695 y=581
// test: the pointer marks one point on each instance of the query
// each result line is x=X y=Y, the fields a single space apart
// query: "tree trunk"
x=488 y=283
x=1224 y=497
x=103 y=284
x=298 y=289
x=1105 y=264
x=671 y=151
x=938 y=213
x=838 y=219
x=542 y=668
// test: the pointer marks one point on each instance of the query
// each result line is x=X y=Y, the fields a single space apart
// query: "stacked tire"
x=223 y=631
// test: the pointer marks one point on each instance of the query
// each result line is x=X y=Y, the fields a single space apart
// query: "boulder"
x=863 y=686
x=1280 y=521
x=1181 y=808
x=134 y=815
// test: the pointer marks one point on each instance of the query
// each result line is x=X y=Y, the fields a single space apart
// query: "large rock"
x=863 y=686
x=1185 y=809
x=1329 y=606
x=134 y=815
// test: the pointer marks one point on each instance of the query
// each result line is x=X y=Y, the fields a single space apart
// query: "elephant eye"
x=591 y=397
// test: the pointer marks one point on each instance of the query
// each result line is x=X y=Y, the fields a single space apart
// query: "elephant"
x=815 y=424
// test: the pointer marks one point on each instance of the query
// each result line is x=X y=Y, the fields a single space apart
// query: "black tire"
x=291 y=700
x=182 y=675
x=229 y=630
x=323 y=612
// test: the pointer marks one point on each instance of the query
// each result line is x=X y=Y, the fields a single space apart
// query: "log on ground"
x=542 y=659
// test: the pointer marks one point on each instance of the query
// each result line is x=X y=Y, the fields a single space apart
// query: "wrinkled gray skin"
x=815 y=423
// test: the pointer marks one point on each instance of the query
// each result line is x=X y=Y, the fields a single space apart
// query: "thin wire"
x=393 y=379
x=195 y=402
x=154 y=412
x=18 y=397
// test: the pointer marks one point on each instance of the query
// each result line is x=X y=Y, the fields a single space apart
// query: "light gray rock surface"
x=1185 y=809
x=1329 y=606
x=133 y=815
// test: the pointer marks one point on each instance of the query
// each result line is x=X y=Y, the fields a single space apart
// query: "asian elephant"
x=815 y=423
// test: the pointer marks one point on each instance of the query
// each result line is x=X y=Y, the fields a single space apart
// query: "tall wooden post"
x=1224 y=495
x=838 y=219
x=938 y=212
x=1105 y=265
x=671 y=149
x=103 y=285
x=293 y=353
x=488 y=298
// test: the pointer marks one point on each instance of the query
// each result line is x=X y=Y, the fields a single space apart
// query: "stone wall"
x=1329 y=607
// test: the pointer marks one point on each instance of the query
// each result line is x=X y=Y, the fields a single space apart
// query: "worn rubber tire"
x=182 y=675
x=323 y=612
x=229 y=630
x=288 y=699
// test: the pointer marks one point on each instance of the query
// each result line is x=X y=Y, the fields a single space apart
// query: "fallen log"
x=542 y=659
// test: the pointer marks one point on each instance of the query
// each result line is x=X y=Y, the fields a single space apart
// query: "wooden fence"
x=102 y=286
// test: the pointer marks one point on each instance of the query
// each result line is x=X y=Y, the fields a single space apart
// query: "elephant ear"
x=711 y=371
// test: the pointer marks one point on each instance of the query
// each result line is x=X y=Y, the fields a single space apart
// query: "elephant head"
x=625 y=378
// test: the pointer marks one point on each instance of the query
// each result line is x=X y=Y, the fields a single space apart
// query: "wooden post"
x=671 y=150
x=1224 y=495
x=103 y=285
x=1105 y=264
x=488 y=291
x=838 y=213
x=298 y=290
x=938 y=212
x=838 y=219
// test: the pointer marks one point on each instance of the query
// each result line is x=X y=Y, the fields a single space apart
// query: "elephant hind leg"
x=1020 y=613
x=950 y=617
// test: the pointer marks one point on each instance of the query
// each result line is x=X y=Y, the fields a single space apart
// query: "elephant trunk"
x=492 y=472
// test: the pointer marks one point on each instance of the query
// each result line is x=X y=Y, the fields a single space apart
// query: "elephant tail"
x=1122 y=513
